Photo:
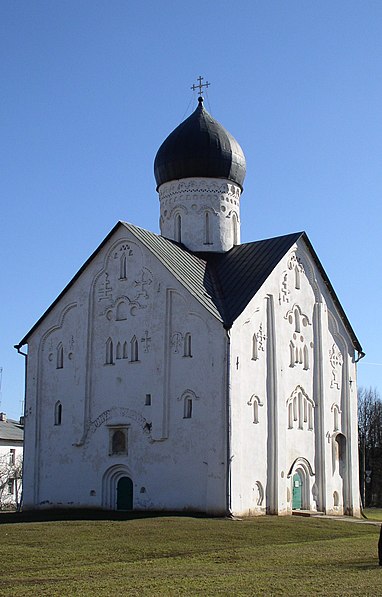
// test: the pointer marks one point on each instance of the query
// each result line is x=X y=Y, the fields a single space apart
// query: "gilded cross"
x=200 y=85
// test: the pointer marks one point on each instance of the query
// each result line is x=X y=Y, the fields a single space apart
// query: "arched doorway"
x=124 y=494
x=117 y=488
x=297 y=492
x=302 y=480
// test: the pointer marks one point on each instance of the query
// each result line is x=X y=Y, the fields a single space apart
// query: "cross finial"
x=200 y=86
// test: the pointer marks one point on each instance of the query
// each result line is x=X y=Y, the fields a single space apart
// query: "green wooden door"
x=297 y=492
x=125 y=494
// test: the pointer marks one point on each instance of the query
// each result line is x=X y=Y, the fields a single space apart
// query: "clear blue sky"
x=91 y=88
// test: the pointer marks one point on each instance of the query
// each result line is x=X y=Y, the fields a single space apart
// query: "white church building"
x=189 y=372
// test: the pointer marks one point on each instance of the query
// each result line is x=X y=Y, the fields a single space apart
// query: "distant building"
x=11 y=459
x=186 y=371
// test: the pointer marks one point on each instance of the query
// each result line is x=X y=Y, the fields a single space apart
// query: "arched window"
x=187 y=345
x=306 y=358
x=60 y=356
x=58 y=413
x=235 y=235
x=178 y=228
x=336 y=417
x=134 y=349
x=121 y=313
x=292 y=354
x=118 y=442
x=207 y=229
x=255 y=402
x=109 y=352
x=187 y=414
x=297 y=278
x=290 y=415
x=119 y=351
x=297 y=326
x=255 y=411
x=255 y=354
x=310 y=416
x=125 y=354
x=123 y=267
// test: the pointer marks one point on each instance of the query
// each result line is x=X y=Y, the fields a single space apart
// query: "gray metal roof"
x=11 y=430
x=224 y=283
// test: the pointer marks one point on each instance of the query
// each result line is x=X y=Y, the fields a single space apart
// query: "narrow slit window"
x=60 y=356
x=255 y=354
x=109 y=352
x=234 y=229
x=123 y=267
x=58 y=413
x=187 y=408
x=178 y=228
x=134 y=349
x=297 y=326
x=148 y=400
x=207 y=229
x=187 y=345
x=306 y=358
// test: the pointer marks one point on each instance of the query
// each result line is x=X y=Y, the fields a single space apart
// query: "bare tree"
x=10 y=480
x=370 y=445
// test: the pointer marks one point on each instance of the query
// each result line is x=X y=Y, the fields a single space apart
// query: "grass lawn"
x=373 y=513
x=190 y=556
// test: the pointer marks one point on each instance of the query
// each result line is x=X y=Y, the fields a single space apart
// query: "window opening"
x=60 y=356
x=255 y=354
x=234 y=228
x=187 y=345
x=123 y=267
x=109 y=351
x=134 y=349
x=58 y=413
x=148 y=400
x=297 y=321
x=178 y=228
x=187 y=408
x=207 y=229
x=118 y=442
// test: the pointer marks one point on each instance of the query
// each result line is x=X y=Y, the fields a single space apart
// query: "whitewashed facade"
x=143 y=394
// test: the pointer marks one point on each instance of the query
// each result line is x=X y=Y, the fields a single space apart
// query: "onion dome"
x=200 y=147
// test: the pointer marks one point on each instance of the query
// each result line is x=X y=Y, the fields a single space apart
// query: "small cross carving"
x=146 y=339
x=200 y=85
x=144 y=281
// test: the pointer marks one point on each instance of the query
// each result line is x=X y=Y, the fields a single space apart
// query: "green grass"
x=373 y=513
x=190 y=556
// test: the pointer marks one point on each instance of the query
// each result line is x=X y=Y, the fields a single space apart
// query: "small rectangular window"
x=11 y=486
x=12 y=456
x=148 y=400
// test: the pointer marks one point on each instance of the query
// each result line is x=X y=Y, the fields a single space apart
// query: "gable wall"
x=126 y=295
x=307 y=363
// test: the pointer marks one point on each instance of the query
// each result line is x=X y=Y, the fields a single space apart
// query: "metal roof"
x=11 y=430
x=224 y=283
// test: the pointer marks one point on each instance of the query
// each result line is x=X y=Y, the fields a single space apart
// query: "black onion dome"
x=200 y=146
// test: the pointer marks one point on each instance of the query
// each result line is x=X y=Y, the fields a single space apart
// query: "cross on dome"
x=200 y=86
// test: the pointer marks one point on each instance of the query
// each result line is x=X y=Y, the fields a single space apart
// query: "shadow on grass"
x=90 y=514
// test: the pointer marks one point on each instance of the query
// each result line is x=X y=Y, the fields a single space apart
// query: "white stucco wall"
x=202 y=213
x=293 y=312
x=174 y=462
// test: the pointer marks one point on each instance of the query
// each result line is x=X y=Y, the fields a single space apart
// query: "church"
x=188 y=372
